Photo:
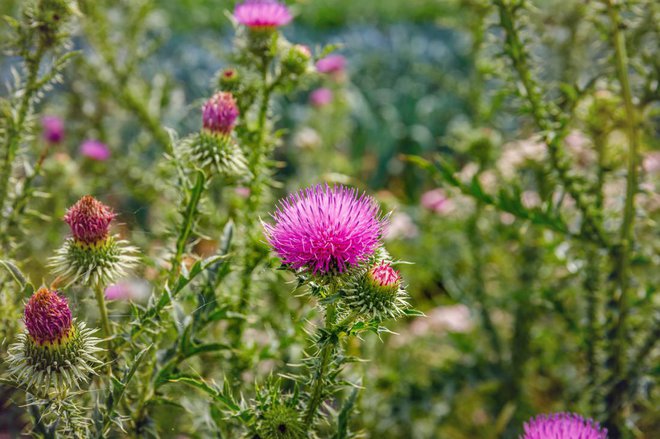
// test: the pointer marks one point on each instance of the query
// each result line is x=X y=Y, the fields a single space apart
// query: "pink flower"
x=401 y=226
x=262 y=14
x=452 y=318
x=651 y=162
x=219 y=113
x=135 y=290
x=95 y=150
x=89 y=220
x=53 y=129
x=321 y=97
x=325 y=229
x=47 y=317
x=243 y=192
x=563 y=426
x=331 y=64
x=436 y=201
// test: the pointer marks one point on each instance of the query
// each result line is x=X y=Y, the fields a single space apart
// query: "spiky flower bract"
x=278 y=414
x=217 y=155
x=325 y=230
x=262 y=14
x=55 y=351
x=219 y=113
x=563 y=426
x=377 y=293
x=92 y=256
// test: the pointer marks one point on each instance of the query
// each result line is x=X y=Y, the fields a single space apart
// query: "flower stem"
x=327 y=350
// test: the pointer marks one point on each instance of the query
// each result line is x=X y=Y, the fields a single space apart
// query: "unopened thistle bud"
x=55 y=351
x=229 y=80
x=214 y=149
x=297 y=59
x=377 y=293
x=280 y=422
x=92 y=256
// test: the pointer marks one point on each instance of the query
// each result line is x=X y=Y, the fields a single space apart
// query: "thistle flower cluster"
x=334 y=233
x=262 y=15
x=55 y=351
x=91 y=256
x=563 y=426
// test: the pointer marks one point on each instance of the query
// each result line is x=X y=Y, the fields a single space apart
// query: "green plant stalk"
x=542 y=118
x=14 y=134
x=615 y=398
x=326 y=356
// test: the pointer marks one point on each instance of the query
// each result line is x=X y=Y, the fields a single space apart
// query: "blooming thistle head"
x=262 y=15
x=219 y=114
x=378 y=292
x=55 y=350
x=563 y=426
x=95 y=150
x=325 y=230
x=91 y=255
x=53 y=129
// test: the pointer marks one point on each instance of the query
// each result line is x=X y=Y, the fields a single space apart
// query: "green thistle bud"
x=280 y=422
x=92 y=256
x=377 y=293
x=55 y=351
x=217 y=155
x=297 y=60
x=229 y=80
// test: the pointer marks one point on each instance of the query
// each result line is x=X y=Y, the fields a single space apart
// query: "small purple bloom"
x=47 y=317
x=89 y=220
x=331 y=64
x=262 y=14
x=563 y=426
x=95 y=150
x=136 y=290
x=321 y=97
x=325 y=229
x=436 y=201
x=53 y=129
x=219 y=113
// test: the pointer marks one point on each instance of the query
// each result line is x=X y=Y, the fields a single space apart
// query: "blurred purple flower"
x=243 y=192
x=331 y=64
x=436 y=201
x=262 y=14
x=95 y=150
x=402 y=226
x=53 y=129
x=135 y=290
x=321 y=97
x=651 y=162
x=563 y=426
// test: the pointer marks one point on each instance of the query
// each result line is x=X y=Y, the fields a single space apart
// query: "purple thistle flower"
x=321 y=97
x=219 y=113
x=325 y=229
x=563 y=426
x=47 y=317
x=89 y=220
x=331 y=64
x=262 y=14
x=53 y=129
x=95 y=150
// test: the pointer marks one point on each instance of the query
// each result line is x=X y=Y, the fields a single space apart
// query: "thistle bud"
x=229 y=80
x=92 y=256
x=219 y=114
x=280 y=422
x=53 y=129
x=377 y=293
x=296 y=60
x=55 y=350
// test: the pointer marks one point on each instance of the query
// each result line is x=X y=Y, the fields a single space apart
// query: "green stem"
x=319 y=376
x=621 y=254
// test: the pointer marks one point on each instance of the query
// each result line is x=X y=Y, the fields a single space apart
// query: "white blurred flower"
x=517 y=153
x=307 y=138
x=401 y=226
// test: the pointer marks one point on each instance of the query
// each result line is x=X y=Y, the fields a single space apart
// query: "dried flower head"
x=563 y=426
x=55 y=352
x=219 y=113
x=53 y=129
x=325 y=230
x=377 y=293
x=92 y=256
x=262 y=14
x=89 y=220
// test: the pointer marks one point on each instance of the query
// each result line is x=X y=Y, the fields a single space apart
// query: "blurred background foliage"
x=424 y=77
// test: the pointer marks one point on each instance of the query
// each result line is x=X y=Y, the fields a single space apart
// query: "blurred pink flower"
x=262 y=14
x=331 y=64
x=134 y=290
x=580 y=147
x=53 y=129
x=242 y=192
x=436 y=201
x=95 y=150
x=518 y=153
x=321 y=97
x=401 y=226
x=651 y=162
x=452 y=318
